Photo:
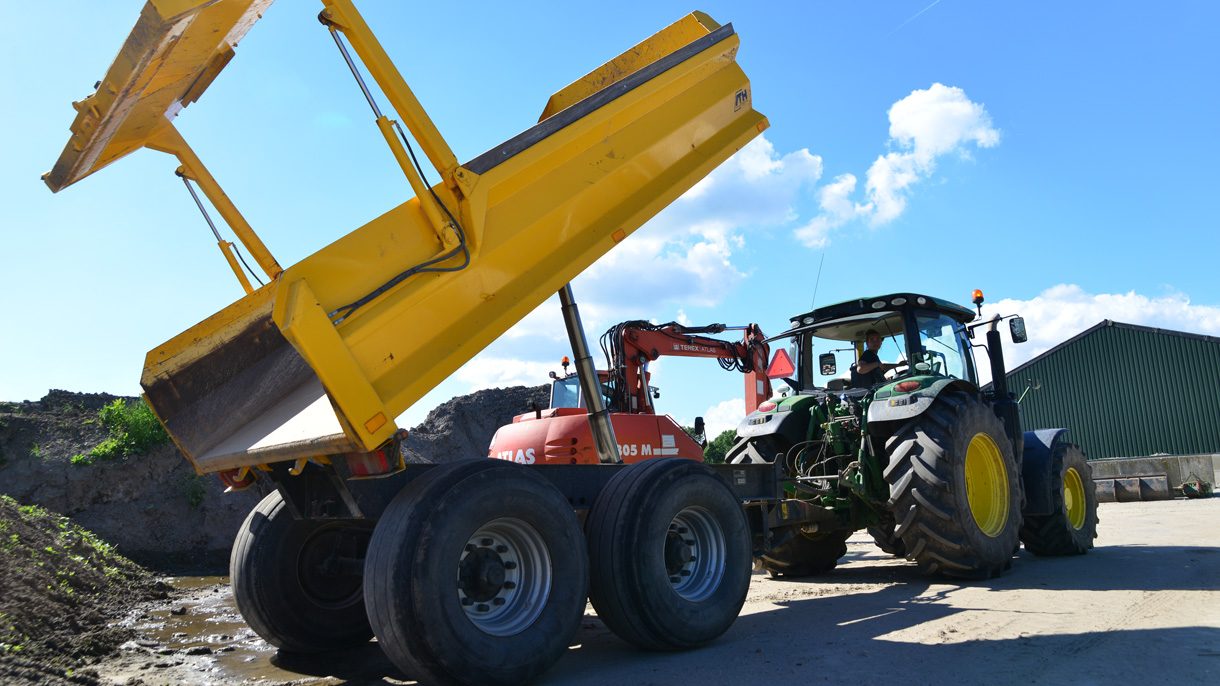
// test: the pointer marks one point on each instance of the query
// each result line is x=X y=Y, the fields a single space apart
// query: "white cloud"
x=1060 y=312
x=924 y=126
x=837 y=209
x=498 y=372
x=940 y=120
x=723 y=416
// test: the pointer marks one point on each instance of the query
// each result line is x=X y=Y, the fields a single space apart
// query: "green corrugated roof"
x=1127 y=390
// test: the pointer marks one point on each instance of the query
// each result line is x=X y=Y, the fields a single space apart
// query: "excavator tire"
x=669 y=555
x=955 y=489
x=289 y=583
x=476 y=574
x=1071 y=528
x=803 y=555
x=885 y=538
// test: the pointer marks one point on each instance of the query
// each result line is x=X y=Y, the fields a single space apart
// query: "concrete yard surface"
x=1141 y=608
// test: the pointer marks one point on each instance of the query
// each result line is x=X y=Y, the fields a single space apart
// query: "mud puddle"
x=198 y=638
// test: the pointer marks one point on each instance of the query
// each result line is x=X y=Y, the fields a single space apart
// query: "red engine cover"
x=563 y=436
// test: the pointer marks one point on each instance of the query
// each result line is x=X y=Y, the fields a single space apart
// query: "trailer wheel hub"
x=481 y=575
x=504 y=576
x=695 y=554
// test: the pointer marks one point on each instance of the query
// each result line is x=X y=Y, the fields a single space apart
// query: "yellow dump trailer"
x=322 y=359
x=300 y=380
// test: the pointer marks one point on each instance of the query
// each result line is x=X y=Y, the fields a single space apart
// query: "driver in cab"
x=869 y=370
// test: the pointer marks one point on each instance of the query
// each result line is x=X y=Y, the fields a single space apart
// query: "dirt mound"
x=61 y=590
x=153 y=507
x=463 y=426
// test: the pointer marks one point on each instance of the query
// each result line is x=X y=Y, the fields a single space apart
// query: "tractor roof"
x=849 y=319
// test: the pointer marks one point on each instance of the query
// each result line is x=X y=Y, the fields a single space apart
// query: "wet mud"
x=197 y=638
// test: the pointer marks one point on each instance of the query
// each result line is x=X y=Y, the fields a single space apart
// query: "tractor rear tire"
x=955 y=489
x=885 y=538
x=476 y=574
x=804 y=555
x=1072 y=526
x=292 y=579
x=669 y=555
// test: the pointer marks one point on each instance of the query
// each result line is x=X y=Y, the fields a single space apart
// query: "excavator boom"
x=321 y=359
x=632 y=345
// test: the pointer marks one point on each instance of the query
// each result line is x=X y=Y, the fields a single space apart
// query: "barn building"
x=1129 y=391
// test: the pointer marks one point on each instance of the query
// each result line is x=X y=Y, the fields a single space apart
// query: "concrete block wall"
x=1150 y=478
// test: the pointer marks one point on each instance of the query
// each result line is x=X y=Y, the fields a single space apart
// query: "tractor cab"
x=920 y=336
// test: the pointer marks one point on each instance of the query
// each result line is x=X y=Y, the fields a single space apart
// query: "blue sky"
x=1060 y=156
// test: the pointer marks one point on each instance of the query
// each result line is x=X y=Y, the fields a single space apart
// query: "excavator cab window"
x=565 y=392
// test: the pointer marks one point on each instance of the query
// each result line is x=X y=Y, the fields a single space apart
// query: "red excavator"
x=561 y=433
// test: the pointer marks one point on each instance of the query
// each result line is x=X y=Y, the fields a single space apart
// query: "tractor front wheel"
x=1072 y=526
x=885 y=538
x=799 y=554
x=955 y=489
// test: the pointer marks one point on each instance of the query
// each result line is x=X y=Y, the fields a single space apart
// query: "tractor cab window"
x=844 y=341
x=941 y=348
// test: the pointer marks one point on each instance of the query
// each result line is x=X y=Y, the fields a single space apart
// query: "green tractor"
x=937 y=469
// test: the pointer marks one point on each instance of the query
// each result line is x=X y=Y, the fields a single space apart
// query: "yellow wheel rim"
x=1073 y=498
x=987 y=485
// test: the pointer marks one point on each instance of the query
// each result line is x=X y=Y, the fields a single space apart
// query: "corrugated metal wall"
x=1127 y=391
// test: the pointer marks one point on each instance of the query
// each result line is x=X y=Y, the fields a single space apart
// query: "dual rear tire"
x=477 y=572
x=669 y=555
x=1072 y=524
x=297 y=582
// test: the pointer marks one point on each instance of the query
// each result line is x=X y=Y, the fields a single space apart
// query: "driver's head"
x=872 y=339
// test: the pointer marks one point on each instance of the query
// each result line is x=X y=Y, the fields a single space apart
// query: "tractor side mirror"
x=827 y=365
x=700 y=432
x=1016 y=327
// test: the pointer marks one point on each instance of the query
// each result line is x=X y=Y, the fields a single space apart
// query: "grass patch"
x=132 y=427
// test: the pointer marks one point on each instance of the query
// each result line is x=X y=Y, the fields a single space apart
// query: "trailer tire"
x=476 y=574
x=885 y=538
x=288 y=585
x=1072 y=526
x=669 y=555
x=955 y=489
x=803 y=555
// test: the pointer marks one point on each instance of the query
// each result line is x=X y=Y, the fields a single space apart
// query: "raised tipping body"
x=292 y=370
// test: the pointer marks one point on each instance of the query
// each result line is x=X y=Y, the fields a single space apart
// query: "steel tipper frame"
x=475 y=571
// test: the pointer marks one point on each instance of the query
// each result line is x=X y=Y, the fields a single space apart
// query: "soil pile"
x=463 y=426
x=61 y=591
x=153 y=507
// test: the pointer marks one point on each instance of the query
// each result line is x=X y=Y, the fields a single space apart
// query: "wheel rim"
x=987 y=485
x=695 y=553
x=330 y=566
x=1073 y=498
x=504 y=577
